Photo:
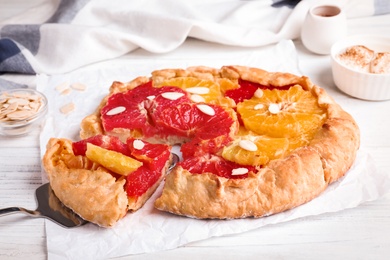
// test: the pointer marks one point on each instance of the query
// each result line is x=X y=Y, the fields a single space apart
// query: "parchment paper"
x=148 y=229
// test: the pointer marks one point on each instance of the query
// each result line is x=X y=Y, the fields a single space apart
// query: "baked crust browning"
x=89 y=189
x=283 y=183
x=81 y=185
x=273 y=189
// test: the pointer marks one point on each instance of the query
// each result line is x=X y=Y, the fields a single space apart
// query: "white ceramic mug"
x=322 y=27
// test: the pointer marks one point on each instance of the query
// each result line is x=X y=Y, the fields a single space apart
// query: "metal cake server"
x=49 y=207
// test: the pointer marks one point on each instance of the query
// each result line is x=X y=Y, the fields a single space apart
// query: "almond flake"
x=18 y=105
x=197 y=99
x=258 y=107
x=248 y=145
x=11 y=106
x=66 y=109
x=34 y=105
x=20 y=115
x=198 y=90
x=62 y=87
x=34 y=98
x=240 y=171
x=115 y=111
x=19 y=101
x=172 y=95
x=138 y=144
x=258 y=93
x=151 y=97
x=66 y=92
x=206 y=109
x=274 y=108
x=78 y=86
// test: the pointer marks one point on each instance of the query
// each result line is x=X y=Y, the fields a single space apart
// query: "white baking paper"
x=148 y=229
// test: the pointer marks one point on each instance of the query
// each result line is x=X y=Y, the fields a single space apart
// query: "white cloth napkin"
x=62 y=35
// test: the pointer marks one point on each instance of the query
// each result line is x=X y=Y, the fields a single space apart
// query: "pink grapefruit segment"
x=112 y=143
x=152 y=158
x=138 y=105
x=153 y=155
x=247 y=89
x=216 y=165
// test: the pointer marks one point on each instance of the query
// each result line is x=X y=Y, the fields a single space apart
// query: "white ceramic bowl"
x=17 y=127
x=362 y=85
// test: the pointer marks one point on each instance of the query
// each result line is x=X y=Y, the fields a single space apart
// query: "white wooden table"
x=359 y=233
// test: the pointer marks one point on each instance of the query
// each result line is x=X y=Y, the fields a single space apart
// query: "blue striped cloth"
x=80 y=32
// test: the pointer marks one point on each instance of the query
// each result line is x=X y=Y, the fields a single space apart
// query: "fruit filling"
x=228 y=129
x=139 y=162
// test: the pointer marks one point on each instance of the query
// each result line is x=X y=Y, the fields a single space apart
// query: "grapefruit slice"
x=207 y=133
x=149 y=161
x=247 y=89
x=154 y=156
x=216 y=165
x=112 y=143
x=132 y=109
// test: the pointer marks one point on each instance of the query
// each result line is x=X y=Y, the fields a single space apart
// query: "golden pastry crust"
x=271 y=190
x=89 y=190
x=280 y=185
x=283 y=183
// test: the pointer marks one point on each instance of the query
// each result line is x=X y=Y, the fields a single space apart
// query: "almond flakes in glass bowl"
x=21 y=110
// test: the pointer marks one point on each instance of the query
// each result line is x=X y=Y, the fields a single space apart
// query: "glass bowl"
x=27 y=114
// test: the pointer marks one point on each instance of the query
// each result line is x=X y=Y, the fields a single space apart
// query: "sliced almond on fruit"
x=258 y=107
x=198 y=90
x=248 y=145
x=206 y=109
x=258 y=93
x=138 y=144
x=116 y=110
x=197 y=98
x=240 y=171
x=172 y=95
x=274 y=108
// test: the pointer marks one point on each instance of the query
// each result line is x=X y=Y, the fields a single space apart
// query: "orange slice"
x=282 y=113
x=111 y=160
x=252 y=149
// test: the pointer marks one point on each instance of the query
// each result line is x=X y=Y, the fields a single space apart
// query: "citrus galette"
x=253 y=143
